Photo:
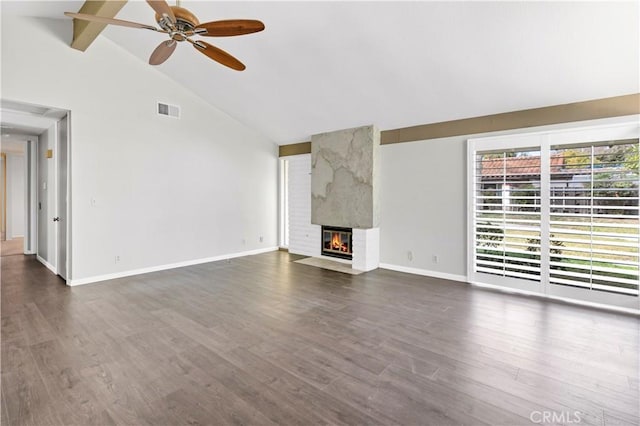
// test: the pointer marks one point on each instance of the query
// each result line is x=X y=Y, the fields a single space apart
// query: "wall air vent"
x=168 y=110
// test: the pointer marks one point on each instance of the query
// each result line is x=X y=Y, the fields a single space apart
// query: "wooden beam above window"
x=295 y=149
x=578 y=111
x=84 y=32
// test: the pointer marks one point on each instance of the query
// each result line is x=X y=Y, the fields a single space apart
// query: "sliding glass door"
x=507 y=216
x=557 y=213
x=594 y=217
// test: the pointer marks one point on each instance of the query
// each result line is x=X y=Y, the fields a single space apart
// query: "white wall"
x=31 y=226
x=46 y=197
x=165 y=190
x=304 y=238
x=423 y=196
x=15 y=195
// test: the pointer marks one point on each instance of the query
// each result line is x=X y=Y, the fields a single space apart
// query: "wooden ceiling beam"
x=85 y=32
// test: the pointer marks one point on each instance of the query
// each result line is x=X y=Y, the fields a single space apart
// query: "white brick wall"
x=366 y=249
x=304 y=237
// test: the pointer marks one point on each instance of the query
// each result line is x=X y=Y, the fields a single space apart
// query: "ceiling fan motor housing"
x=186 y=21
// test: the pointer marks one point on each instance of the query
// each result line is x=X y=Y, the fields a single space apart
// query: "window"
x=557 y=213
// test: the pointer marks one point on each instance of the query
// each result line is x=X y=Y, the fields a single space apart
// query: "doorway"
x=43 y=136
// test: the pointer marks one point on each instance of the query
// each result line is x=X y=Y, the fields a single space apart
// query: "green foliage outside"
x=493 y=240
x=624 y=155
x=555 y=247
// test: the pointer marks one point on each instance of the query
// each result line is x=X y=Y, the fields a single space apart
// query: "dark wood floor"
x=262 y=340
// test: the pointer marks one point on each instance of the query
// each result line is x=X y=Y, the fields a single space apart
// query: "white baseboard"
x=47 y=264
x=89 y=280
x=463 y=279
x=424 y=272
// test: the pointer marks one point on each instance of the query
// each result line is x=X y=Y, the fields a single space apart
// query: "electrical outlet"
x=117 y=259
x=261 y=238
x=434 y=258
x=410 y=255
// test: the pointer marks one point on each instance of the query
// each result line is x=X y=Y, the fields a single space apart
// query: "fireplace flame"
x=336 y=242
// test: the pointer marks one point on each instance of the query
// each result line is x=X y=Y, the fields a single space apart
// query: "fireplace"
x=337 y=242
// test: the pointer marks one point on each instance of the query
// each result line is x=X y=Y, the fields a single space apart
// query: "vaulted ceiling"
x=322 y=66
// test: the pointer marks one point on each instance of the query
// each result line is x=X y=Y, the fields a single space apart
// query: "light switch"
x=44 y=185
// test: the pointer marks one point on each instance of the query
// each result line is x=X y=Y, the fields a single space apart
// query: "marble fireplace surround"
x=345 y=189
x=344 y=178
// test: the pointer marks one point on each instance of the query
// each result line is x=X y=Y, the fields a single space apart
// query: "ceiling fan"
x=180 y=25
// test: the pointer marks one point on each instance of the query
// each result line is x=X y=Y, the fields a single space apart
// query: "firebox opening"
x=337 y=242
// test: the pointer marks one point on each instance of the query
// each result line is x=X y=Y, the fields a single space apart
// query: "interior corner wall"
x=424 y=202
x=145 y=189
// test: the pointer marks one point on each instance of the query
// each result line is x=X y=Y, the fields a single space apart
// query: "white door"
x=61 y=217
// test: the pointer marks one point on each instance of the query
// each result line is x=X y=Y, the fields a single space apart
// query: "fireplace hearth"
x=337 y=242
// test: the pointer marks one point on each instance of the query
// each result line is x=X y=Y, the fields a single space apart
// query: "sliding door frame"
x=542 y=141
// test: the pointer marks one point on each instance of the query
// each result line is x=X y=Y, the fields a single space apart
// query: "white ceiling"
x=323 y=66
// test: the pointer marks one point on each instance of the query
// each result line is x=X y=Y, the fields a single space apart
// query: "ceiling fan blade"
x=162 y=8
x=162 y=52
x=231 y=27
x=111 y=21
x=218 y=55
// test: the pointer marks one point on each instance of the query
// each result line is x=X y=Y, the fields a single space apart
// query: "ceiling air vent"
x=168 y=110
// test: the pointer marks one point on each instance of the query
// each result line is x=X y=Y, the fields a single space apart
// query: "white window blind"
x=594 y=220
x=507 y=213
x=558 y=213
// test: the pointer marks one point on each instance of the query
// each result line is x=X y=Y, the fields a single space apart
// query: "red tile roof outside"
x=518 y=166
